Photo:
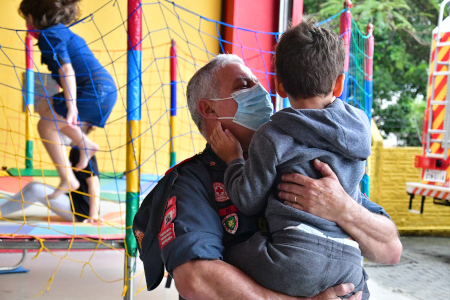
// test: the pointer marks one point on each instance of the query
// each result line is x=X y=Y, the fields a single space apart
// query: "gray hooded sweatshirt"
x=338 y=135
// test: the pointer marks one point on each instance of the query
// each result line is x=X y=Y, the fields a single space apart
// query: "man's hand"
x=334 y=292
x=324 y=197
x=376 y=234
x=225 y=145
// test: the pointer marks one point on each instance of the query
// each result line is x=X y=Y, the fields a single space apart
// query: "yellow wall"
x=390 y=168
x=105 y=34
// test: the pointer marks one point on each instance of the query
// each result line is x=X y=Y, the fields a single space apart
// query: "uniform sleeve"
x=373 y=207
x=191 y=228
x=54 y=48
x=248 y=183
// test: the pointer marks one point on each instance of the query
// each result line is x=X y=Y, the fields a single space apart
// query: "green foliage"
x=402 y=32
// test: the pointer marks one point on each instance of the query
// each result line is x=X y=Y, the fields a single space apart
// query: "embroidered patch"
x=169 y=216
x=171 y=202
x=139 y=235
x=230 y=223
x=166 y=235
x=219 y=192
x=227 y=210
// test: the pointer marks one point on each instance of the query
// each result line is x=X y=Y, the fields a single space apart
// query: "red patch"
x=166 y=235
x=169 y=216
x=171 y=202
x=219 y=192
x=212 y=163
x=228 y=210
x=139 y=235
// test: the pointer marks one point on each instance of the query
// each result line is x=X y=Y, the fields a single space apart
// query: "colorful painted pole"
x=29 y=101
x=173 y=103
x=345 y=30
x=297 y=11
x=368 y=70
x=134 y=68
x=368 y=90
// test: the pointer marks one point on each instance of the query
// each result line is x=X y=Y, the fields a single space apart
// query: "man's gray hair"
x=205 y=85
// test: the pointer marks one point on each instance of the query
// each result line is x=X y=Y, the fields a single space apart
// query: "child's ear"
x=339 y=85
x=204 y=107
x=279 y=88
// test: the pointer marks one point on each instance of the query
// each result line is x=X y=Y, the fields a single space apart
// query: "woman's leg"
x=36 y=192
x=49 y=126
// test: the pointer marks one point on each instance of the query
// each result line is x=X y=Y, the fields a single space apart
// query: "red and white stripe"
x=428 y=190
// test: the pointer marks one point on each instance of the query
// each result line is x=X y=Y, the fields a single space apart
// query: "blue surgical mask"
x=254 y=107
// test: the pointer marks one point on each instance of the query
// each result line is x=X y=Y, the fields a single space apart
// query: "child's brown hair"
x=308 y=60
x=47 y=13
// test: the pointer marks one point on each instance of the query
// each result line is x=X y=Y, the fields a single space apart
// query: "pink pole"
x=345 y=30
x=297 y=11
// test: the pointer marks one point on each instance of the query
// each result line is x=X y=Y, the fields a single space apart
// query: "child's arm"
x=69 y=85
x=248 y=183
x=225 y=145
x=94 y=198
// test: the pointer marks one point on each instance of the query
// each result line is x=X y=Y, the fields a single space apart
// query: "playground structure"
x=150 y=128
x=435 y=159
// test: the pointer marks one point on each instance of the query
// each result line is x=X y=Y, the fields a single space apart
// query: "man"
x=188 y=219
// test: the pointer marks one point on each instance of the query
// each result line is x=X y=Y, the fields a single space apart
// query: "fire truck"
x=435 y=159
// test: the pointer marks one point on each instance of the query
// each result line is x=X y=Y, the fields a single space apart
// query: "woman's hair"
x=47 y=13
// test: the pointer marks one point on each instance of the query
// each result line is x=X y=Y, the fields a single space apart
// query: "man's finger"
x=344 y=289
x=324 y=169
x=295 y=178
x=357 y=296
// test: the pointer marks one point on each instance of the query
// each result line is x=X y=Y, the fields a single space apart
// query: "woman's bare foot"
x=86 y=153
x=65 y=186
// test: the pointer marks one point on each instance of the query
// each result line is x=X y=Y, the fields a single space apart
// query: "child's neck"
x=317 y=102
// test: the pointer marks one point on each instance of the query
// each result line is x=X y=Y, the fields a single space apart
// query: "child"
x=302 y=254
x=85 y=200
x=89 y=92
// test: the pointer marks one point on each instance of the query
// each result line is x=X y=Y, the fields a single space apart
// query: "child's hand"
x=72 y=117
x=225 y=145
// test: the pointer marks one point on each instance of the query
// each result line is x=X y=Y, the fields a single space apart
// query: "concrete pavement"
x=422 y=274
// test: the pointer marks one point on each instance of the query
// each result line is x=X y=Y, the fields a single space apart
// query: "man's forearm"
x=215 y=279
x=376 y=234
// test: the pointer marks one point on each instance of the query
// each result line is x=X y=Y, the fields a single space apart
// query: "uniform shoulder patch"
x=166 y=235
x=139 y=235
x=219 y=192
x=230 y=223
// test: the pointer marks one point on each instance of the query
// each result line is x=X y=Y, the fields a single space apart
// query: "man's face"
x=232 y=78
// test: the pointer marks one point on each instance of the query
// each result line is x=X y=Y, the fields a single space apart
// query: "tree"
x=402 y=31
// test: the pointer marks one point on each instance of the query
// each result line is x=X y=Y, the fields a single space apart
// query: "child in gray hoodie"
x=300 y=254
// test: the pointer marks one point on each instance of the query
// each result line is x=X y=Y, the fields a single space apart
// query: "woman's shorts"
x=94 y=104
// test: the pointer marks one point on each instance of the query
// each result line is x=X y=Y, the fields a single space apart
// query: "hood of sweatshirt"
x=339 y=127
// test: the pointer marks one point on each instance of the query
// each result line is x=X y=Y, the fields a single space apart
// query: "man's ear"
x=205 y=109
x=339 y=85
x=279 y=88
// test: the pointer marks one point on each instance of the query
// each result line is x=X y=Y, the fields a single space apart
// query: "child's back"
x=302 y=254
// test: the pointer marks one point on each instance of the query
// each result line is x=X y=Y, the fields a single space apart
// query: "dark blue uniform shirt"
x=188 y=215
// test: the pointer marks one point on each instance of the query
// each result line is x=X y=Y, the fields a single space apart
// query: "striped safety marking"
x=428 y=193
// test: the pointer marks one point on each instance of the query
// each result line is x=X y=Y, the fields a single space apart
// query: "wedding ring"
x=295 y=199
